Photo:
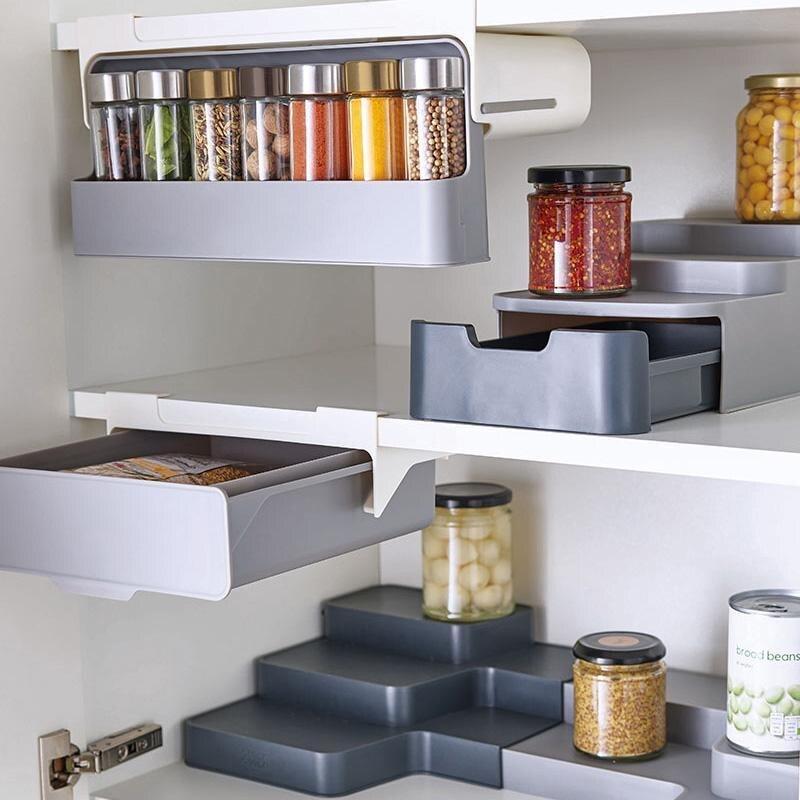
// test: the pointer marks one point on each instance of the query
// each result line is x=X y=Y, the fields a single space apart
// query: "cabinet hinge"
x=61 y=763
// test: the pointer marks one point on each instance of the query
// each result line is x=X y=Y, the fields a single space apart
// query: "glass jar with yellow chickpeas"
x=768 y=150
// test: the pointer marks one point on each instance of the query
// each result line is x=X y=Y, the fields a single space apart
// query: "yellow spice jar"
x=466 y=554
x=375 y=116
x=620 y=680
x=768 y=150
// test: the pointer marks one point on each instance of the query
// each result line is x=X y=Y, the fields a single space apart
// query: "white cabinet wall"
x=600 y=549
x=594 y=549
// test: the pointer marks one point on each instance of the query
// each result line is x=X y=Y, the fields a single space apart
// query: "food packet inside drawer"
x=172 y=468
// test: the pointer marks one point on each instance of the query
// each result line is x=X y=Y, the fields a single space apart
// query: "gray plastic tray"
x=332 y=717
x=611 y=378
x=111 y=537
x=394 y=223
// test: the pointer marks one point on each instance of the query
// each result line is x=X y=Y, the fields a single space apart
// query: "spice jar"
x=620 y=682
x=265 y=122
x=767 y=150
x=317 y=123
x=579 y=230
x=375 y=118
x=164 y=124
x=216 y=125
x=114 y=120
x=435 y=121
x=466 y=554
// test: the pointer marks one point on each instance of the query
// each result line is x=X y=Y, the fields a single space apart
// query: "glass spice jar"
x=164 y=125
x=620 y=681
x=466 y=554
x=768 y=150
x=375 y=120
x=216 y=125
x=265 y=123
x=317 y=123
x=114 y=121
x=579 y=230
x=435 y=120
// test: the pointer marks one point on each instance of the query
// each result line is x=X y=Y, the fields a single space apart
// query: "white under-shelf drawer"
x=112 y=537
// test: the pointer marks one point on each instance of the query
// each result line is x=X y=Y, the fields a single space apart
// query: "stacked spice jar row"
x=362 y=120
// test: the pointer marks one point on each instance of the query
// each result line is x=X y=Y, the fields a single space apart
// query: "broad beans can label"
x=764 y=672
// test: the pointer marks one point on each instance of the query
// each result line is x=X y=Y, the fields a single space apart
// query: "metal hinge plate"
x=62 y=763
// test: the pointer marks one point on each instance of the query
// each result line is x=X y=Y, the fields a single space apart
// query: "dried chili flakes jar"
x=579 y=230
x=620 y=682
x=317 y=123
x=768 y=150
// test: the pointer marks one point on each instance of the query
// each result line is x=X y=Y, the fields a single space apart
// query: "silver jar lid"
x=110 y=87
x=315 y=79
x=262 y=81
x=161 y=84
x=444 y=72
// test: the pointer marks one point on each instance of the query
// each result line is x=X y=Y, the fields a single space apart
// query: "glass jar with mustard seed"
x=768 y=150
x=375 y=112
x=620 y=682
x=466 y=554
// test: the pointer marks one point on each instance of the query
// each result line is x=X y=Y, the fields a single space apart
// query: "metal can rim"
x=735 y=600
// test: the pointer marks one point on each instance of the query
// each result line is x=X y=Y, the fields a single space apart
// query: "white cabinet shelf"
x=359 y=399
x=179 y=782
x=623 y=25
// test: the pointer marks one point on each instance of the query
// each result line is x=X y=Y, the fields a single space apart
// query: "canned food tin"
x=764 y=672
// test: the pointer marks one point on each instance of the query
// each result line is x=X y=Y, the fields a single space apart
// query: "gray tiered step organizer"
x=112 y=537
x=720 y=325
x=387 y=693
x=402 y=223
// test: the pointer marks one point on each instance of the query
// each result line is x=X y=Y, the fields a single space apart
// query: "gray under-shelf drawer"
x=609 y=378
x=111 y=537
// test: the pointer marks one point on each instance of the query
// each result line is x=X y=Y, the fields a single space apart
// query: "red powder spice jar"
x=580 y=230
x=318 y=123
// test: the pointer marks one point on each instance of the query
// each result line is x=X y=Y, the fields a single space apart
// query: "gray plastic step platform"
x=608 y=378
x=738 y=776
x=333 y=716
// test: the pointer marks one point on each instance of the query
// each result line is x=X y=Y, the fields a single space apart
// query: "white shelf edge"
x=629 y=453
x=495 y=13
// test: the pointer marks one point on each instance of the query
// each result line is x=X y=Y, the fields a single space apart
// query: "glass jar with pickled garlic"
x=375 y=118
x=620 y=681
x=768 y=150
x=466 y=554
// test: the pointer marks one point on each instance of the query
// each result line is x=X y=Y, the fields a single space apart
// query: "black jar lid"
x=472 y=495
x=619 y=648
x=582 y=173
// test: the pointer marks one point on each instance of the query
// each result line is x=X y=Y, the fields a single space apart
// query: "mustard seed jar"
x=579 y=230
x=620 y=683
x=466 y=554
x=767 y=150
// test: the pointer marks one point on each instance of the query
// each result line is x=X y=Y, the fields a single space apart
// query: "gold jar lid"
x=212 y=84
x=789 y=80
x=363 y=77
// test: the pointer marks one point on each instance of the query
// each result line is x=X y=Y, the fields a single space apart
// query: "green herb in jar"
x=167 y=142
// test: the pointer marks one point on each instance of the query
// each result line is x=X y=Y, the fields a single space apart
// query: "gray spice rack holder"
x=720 y=325
x=392 y=223
x=387 y=692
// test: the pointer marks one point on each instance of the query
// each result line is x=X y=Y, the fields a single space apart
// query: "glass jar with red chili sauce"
x=580 y=230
